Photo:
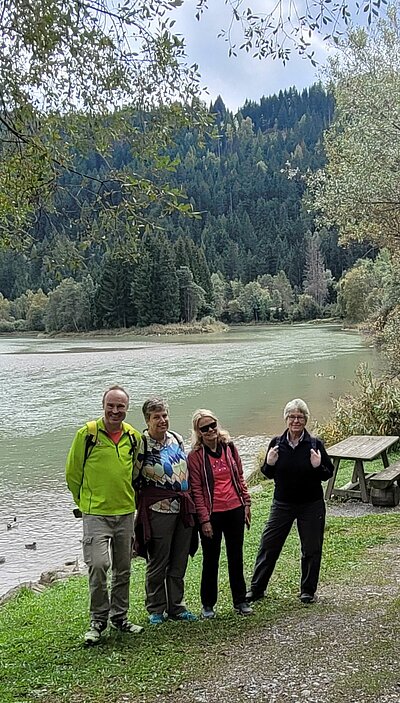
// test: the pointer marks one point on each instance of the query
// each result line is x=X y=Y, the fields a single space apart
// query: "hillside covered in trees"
x=251 y=252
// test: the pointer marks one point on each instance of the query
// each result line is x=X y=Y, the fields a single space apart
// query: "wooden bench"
x=383 y=487
x=385 y=478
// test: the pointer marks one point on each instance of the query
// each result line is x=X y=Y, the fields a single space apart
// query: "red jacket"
x=201 y=481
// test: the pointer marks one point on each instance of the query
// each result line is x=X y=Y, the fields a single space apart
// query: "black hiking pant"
x=230 y=524
x=310 y=519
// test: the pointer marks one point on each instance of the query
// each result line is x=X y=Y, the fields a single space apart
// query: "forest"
x=246 y=249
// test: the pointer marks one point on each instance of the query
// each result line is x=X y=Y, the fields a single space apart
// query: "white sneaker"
x=126 y=626
x=92 y=636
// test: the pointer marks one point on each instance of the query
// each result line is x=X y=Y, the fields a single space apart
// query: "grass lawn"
x=41 y=654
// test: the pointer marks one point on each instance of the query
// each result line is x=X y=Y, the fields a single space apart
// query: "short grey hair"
x=153 y=405
x=296 y=404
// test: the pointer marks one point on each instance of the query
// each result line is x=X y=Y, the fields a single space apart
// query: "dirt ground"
x=343 y=649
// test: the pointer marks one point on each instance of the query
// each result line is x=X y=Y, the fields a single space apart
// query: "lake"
x=50 y=387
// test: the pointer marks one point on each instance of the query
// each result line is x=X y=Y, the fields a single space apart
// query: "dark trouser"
x=310 y=519
x=168 y=552
x=230 y=524
x=107 y=541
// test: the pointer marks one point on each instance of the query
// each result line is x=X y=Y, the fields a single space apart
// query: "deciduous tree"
x=316 y=276
x=192 y=296
x=359 y=188
x=79 y=76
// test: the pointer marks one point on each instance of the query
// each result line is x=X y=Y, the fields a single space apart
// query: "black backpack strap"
x=145 y=445
x=133 y=442
x=90 y=440
x=139 y=480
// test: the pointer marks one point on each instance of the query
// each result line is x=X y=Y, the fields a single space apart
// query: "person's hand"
x=272 y=456
x=247 y=516
x=207 y=529
x=315 y=458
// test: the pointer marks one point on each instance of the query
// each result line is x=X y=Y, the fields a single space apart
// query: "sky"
x=243 y=77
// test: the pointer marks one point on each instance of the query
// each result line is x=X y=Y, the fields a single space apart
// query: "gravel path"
x=355 y=508
x=344 y=649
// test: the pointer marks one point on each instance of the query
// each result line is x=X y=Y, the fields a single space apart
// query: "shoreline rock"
x=72 y=567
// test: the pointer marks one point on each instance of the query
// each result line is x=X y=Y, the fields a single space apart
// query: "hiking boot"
x=156 y=618
x=185 y=616
x=252 y=596
x=243 y=609
x=123 y=625
x=308 y=599
x=207 y=612
x=92 y=636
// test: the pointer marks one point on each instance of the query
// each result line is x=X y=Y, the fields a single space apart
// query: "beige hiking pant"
x=107 y=542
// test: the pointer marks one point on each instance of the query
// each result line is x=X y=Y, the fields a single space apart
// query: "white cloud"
x=241 y=77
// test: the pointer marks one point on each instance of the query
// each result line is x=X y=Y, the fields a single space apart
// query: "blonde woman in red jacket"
x=222 y=506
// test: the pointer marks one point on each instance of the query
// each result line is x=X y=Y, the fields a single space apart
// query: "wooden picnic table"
x=358 y=448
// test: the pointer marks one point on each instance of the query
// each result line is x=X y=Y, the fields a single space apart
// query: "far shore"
x=178 y=329
x=182 y=328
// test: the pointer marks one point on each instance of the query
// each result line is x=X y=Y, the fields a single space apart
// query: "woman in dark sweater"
x=297 y=462
x=222 y=506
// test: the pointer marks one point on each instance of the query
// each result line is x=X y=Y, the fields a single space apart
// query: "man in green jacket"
x=103 y=457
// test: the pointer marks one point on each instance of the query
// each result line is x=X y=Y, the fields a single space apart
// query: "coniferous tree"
x=155 y=289
x=113 y=295
x=164 y=283
x=141 y=287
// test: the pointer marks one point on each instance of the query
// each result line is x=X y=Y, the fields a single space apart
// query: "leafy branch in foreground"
x=358 y=190
x=76 y=78
x=289 y=26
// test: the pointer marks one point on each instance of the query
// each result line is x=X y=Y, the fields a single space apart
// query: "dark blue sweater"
x=296 y=480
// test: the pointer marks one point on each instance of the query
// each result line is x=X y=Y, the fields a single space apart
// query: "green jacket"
x=103 y=486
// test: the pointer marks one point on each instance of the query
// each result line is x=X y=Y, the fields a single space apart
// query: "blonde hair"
x=197 y=438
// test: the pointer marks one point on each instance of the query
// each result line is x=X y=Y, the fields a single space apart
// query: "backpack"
x=91 y=439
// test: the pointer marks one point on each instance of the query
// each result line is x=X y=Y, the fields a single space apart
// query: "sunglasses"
x=210 y=426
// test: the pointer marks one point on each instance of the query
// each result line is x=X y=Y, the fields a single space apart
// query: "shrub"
x=7 y=326
x=207 y=320
x=330 y=310
x=374 y=409
x=255 y=476
x=20 y=325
